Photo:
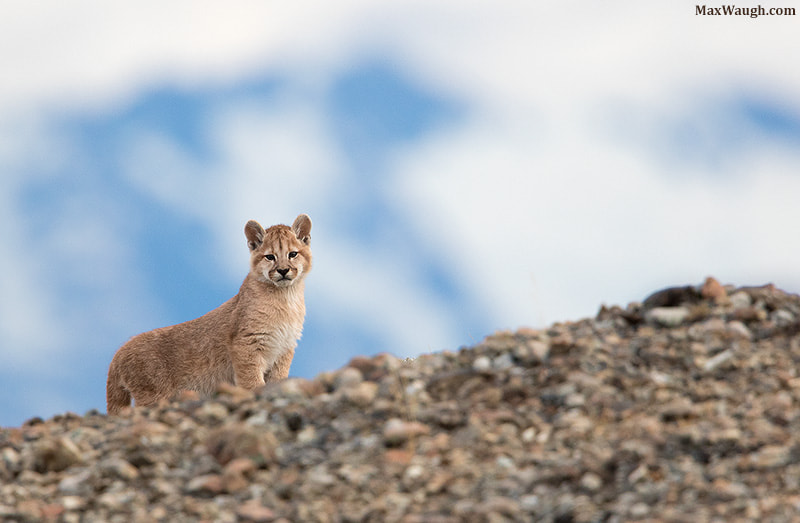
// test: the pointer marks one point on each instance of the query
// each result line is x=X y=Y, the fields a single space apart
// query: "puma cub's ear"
x=254 y=233
x=302 y=228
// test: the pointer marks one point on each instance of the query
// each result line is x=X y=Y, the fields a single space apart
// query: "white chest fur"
x=277 y=342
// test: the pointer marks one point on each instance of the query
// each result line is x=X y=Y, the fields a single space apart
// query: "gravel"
x=679 y=408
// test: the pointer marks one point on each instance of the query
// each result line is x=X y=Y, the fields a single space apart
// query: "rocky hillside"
x=681 y=408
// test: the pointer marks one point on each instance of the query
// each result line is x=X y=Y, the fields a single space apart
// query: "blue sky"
x=467 y=169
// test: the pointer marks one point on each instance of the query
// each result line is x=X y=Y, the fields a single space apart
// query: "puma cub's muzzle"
x=283 y=277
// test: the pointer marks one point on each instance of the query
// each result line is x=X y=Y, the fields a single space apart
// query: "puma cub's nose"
x=283 y=272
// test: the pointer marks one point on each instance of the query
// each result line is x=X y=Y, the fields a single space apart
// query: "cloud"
x=547 y=231
x=269 y=160
x=273 y=160
x=601 y=151
x=382 y=295
x=26 y=303
x=92 y=54
x=499 y=54
x=63 y=263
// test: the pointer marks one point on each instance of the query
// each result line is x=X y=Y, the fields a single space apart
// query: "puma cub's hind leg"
x=117 y=396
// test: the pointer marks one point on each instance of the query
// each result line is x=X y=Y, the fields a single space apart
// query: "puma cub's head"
x=280 y=255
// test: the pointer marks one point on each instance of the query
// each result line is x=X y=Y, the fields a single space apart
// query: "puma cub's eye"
x=293 y=254
x=270 y=257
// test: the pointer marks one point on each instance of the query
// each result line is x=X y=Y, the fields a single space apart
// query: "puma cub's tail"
x=117 y=396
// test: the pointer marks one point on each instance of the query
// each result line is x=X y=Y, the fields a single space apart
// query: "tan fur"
x=249 y=340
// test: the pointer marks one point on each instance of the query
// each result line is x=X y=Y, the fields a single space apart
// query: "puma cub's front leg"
x=280 y=370
x=249 y=366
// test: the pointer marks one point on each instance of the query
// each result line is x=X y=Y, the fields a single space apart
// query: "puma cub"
x=249 y=340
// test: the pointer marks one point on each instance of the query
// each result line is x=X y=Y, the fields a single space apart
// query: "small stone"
x=73 y=502
x=713 y=290
x=750 y=314
x=708 y=329
x=500 y=341
x=500 y=506
x=259 y=419
x=528 y=332
x=396 y=431
x=373 y=369
x=52 y=511
x=639 y=510
x=638 y=474
x=164 y=487
x=667 y=316
x=718 y=360
x=505 y=462
x=503 y=362
x=11 y=458
x=30 y=509
x=738 y=330
x=362 y=394
x=236 y=473
x=232 y=483
x=782 y=317
x=293 y=388
x=574 y=399
x=116 y=500
x=307 y=435
x=671 y=297
x=397 y=456
x=678 y=409
x=438 y=483
x=529 y=502
x=347 y=377
x=244 y=466
x=661 y=379
x=76 y=483
x=321 y=476
x=415 y=388
x=206 y=485
x=413 y=476
x=55 y=455
x=446 y=416
x=726 y=490
x=562 y=343
x=253 y=510
x=294 y=420
x=482 y=364
x=739 y=300
x=771 y=456
x=309 y=388
x=539 y=349
x=528 y=435
x=388 y=362
x=119 y=468
x=524 y=355
x=591 y=482
x=237 y=394
x=212 y=412
x=242 y=441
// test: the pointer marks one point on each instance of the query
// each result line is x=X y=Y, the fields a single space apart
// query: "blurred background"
x=468 y=167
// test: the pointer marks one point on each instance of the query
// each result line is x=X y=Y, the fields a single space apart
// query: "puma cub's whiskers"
x=249 y=340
